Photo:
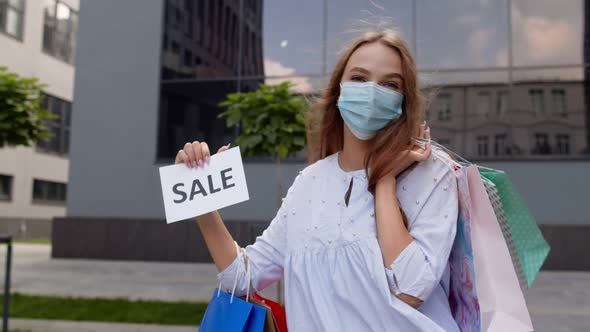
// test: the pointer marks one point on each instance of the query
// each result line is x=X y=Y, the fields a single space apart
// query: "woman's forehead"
x=377 y=58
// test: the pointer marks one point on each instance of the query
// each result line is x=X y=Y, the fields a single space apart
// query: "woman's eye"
x=357 y=79
x=392 y=85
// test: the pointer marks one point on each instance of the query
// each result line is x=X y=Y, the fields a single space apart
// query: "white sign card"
x=190 y=192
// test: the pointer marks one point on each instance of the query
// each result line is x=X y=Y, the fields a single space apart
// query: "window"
x=60 y=127
x=12 y=15
x=483 y=103
x=542 y=144
x=175 y=47
x=5 y=187
x=192 y=114
x=502 y=103
x=444 y=142
x=48 y=191
x=444 y=107
x=558 y=98
x=188 y=21
x=188 y=58
x=59 y=30
x=537 y=101
x=201 y=25
x=500 y=148
x=482 y=146
x=177 y=18
x=563 y=144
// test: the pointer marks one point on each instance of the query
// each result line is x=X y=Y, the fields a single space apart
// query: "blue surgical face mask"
x=367 y=107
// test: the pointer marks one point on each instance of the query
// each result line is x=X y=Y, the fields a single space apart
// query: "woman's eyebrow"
x=367 y=72
x=361 y=69
x=394 y=75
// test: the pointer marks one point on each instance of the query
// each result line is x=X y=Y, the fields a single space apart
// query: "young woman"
x=363 y=236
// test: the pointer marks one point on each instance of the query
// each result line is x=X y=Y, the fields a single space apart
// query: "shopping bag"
x=227 y=313
x=270 y=324
x=529 y=241
x=278 y=313
x=501 y=301
x=498 y=207
x=463 y=292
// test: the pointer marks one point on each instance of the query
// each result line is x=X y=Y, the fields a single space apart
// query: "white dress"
x=330 y=259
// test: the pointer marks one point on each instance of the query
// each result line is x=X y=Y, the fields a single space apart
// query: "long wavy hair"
x=326 y=128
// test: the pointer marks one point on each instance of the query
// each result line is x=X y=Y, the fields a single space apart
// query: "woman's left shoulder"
x=418 y=184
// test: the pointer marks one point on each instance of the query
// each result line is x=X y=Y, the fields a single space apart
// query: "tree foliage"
x=271 y=119
x=21 y=114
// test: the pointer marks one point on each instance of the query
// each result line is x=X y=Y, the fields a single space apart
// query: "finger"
x=223 y=148
x=418 y=148
x=205 y=151
x=196 y=146
x=190 y=153
x=181 y=157
x=421 y=131
x=422 y=154
x=418 y=145
x=418 y=156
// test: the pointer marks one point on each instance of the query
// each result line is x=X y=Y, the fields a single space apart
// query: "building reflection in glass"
x=492 y=99
x=530 y=119
x=207 y=47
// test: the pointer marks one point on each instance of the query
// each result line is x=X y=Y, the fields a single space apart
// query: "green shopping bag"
x=529 y=241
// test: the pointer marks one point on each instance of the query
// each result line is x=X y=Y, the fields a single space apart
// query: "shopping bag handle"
x=248 y=276
x=445 y=159
x=454 y=154
x=442 y=147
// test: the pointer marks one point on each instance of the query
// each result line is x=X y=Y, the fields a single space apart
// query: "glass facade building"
x=506 y=79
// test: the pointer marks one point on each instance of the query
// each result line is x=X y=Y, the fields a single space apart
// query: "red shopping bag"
x=277 y=311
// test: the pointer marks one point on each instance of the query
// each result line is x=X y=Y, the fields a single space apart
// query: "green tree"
x=21 y=114
x=272 y=122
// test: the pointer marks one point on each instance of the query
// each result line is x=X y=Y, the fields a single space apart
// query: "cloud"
x=468 y=19
x=543 y=39
x=547 y=38
x=501 y=57
x=479 y=40
x=274 y=68
x=478 y=45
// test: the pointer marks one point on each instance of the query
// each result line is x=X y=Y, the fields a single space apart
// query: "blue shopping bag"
x=227 y=313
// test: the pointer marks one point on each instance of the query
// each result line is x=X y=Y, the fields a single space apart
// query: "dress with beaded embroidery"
x=328 y=255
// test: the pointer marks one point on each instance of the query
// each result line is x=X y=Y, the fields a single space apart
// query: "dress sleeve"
x=265 y=256
x=419 y=267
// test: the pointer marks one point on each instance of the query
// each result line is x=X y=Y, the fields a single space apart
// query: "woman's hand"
x=196 y=154
x=419 y=152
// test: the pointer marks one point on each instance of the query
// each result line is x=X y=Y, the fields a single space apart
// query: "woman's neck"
x=352 y=156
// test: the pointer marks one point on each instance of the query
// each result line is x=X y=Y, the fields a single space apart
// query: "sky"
x=450 y=34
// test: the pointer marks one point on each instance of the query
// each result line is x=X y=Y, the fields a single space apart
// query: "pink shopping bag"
x=463 y=291
x=501 y=301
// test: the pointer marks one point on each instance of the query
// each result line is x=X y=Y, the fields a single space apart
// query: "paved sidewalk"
x=39 y=325
x=558 y=301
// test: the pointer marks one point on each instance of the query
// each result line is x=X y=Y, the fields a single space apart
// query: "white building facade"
x=37 y=39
